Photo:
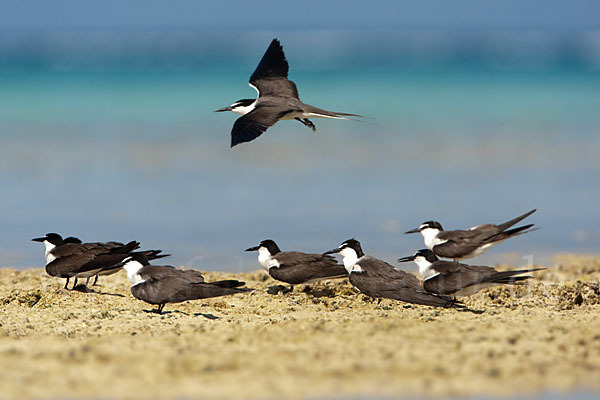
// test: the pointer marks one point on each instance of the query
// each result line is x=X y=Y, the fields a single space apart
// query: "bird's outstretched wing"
x=270 y=77
x=273 y=63
x=253 y=124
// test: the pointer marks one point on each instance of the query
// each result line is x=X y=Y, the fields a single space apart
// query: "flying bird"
x=277 y=100
x=162 y=284
x=295 y=267
x=460 y=244
x=378 y=279
x=456 y=279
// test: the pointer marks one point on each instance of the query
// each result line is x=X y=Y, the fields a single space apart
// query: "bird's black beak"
x=38 y=239
x=412 y=231
x=252 y=248
x=332 y=251
x=228 y=108
x=406 y=259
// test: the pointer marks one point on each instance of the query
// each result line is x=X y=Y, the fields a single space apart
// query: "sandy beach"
x=320 y=341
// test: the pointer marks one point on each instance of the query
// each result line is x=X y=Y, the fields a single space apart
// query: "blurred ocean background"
x=110 y=134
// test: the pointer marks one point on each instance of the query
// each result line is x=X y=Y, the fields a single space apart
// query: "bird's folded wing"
x=158 y=272
x=70 y=249
x=297 y=267
x=388 y=276
x=468 y=235
x=293 y=258
x=70 y=264
x=447 y=267
x=451 y=281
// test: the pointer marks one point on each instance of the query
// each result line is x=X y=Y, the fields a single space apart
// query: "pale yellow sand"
x=57 y=344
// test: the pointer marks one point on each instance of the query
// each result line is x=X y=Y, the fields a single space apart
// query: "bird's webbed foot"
x=307 y=122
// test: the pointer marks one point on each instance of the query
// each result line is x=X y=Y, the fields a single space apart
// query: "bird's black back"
x=381 y=280
x=165 y=284
x=74 y=258
x=296 y=267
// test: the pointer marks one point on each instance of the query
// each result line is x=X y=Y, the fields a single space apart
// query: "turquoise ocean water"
x=112 y=136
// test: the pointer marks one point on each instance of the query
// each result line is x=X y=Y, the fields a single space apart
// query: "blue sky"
x=43 y=15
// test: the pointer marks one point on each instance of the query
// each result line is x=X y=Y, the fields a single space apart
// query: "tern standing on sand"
x=460 y=244
x=456 y=279
x=162 y=284
x=379 y=279
x=295 y=267
x=72 y=259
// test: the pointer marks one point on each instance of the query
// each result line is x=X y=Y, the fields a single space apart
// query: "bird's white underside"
x=482 y=249
x=132 y=267
x=315 y=115
x=49 y=247
x=350 y=258
x=265 y=259
x=244 y=110
x=424 y=267
x=430 y=237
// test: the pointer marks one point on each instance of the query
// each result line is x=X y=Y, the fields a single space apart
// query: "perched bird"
x=379 y=279
x=295 y=267
x=277 y=100
x=460 y=244
x=149 y=254
x=162 y=284
x=456 y=279
x=73 y=259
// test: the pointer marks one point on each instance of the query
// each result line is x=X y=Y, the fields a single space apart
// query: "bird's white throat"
x=265 y=259
x=49 y=247
x=133 y=267
x=350 y=258
x=424 y=267
x=243 y=110
x=430 y=237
